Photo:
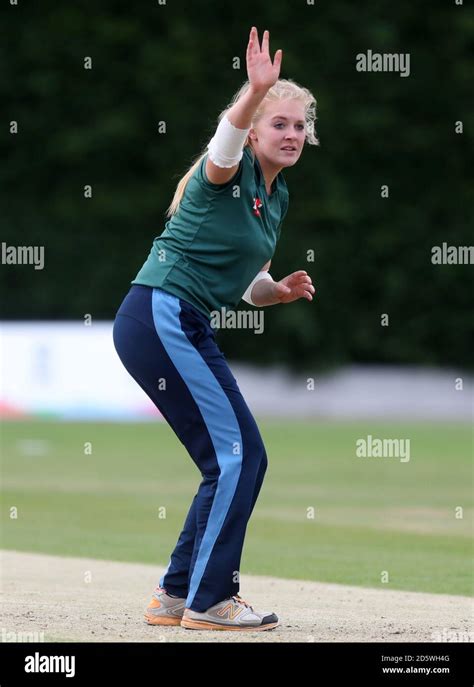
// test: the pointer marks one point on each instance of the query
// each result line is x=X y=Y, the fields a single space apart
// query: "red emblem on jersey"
x=256 y=206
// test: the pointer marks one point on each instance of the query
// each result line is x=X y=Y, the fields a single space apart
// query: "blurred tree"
x=173 y=63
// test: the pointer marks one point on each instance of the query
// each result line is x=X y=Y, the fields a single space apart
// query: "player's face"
x=282 y=126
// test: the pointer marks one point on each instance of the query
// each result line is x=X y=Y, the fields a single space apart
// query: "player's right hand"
x=261 y=72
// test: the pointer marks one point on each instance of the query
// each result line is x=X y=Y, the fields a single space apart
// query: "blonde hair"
x=283 y=89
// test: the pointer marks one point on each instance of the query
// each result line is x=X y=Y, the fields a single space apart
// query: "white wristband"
x=248 y=294
x=226 y=146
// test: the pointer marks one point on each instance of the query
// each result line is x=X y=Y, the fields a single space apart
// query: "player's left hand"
x=294 y=286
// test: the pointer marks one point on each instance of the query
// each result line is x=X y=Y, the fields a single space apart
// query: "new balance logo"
x=230 y=611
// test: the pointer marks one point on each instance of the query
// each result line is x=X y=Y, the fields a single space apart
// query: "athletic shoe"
x=164 y=609
x=231 y=614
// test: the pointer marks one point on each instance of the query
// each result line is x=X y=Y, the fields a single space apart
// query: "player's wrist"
x=265 y=293
x=258 y=91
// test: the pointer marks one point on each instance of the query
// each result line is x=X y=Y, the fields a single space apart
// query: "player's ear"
x=253 y=135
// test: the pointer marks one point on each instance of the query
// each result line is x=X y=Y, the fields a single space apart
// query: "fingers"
x=254 y=46
x=305 y=291
x=302 y=285
x=306 y=280
x=277 y=59
x=300 y=277
x=288 y=295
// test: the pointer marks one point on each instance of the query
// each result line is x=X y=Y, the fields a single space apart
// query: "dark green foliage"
x=173 y=63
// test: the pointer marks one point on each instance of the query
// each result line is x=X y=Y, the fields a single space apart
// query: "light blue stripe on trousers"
x=218 y=415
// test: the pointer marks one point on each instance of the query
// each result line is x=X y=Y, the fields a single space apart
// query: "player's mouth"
x=289 y=149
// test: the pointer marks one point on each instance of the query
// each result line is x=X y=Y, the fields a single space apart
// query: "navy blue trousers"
x=169 y=348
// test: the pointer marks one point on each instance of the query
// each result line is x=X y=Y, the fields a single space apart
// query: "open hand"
x=261 y=72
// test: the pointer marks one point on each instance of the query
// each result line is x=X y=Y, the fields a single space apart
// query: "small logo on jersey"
x=257 y=204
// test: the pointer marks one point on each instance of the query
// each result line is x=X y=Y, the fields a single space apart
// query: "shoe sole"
x=161 y=620
x=202 y=625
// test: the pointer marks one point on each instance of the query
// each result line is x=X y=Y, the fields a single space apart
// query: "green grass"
x=371 y=514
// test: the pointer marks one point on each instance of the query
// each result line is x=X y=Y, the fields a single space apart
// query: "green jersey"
x=219 y=239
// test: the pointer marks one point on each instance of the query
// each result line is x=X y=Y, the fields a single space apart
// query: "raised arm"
x=230 y=136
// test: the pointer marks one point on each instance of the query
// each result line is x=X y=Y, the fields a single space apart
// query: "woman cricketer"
x=225 y=221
